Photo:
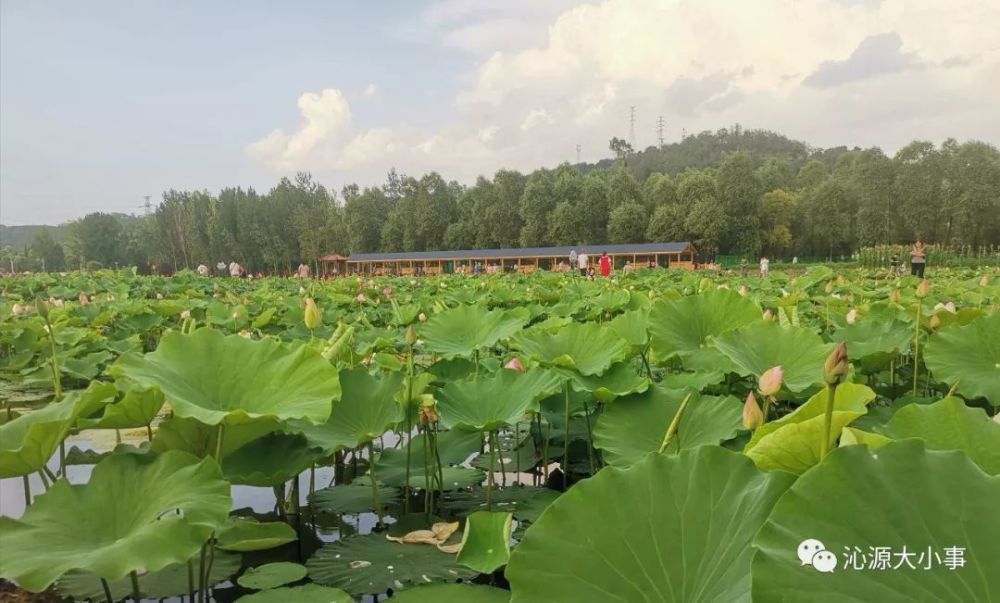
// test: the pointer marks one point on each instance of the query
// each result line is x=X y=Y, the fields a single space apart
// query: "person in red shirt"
x=605 y=263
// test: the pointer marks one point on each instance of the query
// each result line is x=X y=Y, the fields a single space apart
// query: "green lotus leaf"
x=307 y=593
x=696 y=381
x=901 y=495
x=367 y=409
x=876 y=343
x=619 y=380
x=758 y=347
x=137 y=408
x=192 y=436
x=681 y=327
x=171 y=581
x=793 y=442
x=852 y=436
x=28 y=442
x=492 y=401
x=371 y=564
x=453 y=446
x=968 y=355
x=269 y=461
x=136 y=512
x=349 y=499
x=633 y=327
x=244 y=534
x=669 y=528
x=272 y=575
x=587 y=348
x=517 y=499
x=464 y=329
x=453 y=593
x=634 y=426
x=950 y=425
x=214 y=378
x=486 y=541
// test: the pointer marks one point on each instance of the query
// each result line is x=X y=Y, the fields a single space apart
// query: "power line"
x=578 y=153
x=659 y=130
x=147 y=206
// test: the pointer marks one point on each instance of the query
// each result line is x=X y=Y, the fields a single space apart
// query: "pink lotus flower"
x=743 y=290
x=361 y=298
x=422 y=317
x=768 y=315
x=515 y=365
x=387 y=291
x=753 y=416
x=769 y=383
x=84 y=300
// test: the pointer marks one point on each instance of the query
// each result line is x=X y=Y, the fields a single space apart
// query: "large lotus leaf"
x=171 y=581
x=349 y=499
x=852 y=436
x=465 y=329
x=969 y=356
x=587 y=348
x=634 y=426
x=486 y=541
x=137 y=408
x=633 y=327
x=307 y=593
x=875 y=343
x=492 y=401
x=950 y=425
x=136 y=512
x=669 y=528
x=272 y=575
x=214 y=378
x=758 y=347
x=619 y=380
x=245 y=534
x=454 y=448
x=367 y=408
x=793 y=443
x=902 y=498
x=371 y=564
x=519 y=500
x=269 y=461
x=453 y=593
x=199 y=439
x=682 y=326
x=28 y=442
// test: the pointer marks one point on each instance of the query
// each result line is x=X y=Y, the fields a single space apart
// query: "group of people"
x=582 y=262
x=918 y=260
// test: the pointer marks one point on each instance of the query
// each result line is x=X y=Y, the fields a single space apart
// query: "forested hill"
x=19 y=237
x=732 y=191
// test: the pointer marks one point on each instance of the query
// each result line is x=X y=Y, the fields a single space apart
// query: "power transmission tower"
x=631 y=126
x=659 y=130
x=578 y=153
x=147 y=206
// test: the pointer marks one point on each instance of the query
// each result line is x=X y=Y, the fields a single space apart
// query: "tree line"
x=732 y=192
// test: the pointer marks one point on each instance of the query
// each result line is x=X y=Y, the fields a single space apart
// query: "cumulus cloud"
x=916 y=69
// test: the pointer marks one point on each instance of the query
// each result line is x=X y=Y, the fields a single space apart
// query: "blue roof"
x=521 y=252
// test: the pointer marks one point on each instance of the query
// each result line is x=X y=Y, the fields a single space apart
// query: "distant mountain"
x=21 y=236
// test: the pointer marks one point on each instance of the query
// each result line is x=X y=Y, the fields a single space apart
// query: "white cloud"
x=370 y=90
x=535 y=118
x=325 y=119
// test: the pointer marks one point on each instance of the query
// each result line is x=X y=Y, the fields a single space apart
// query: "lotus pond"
x=659 y=436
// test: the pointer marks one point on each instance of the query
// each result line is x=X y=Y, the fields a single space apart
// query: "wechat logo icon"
x=813 y=552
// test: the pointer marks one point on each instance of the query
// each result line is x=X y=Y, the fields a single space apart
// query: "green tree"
x=776 y=173
x=811 y=175
x=565 y=225
x=48 y=251
x=537 y=202
x=740 y=193
x=659 y=190
x=97 y=237
x=667 y=224
x=777 y=216
x=627 y=223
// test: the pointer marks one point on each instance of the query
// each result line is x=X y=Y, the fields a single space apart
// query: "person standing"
x=572 y=258
x=221 y=268
x=235 y=270
x=303 y=270
x=765 y=265
x=918 y=259
x=605 y=265
x=202 y=270
x=582 y=262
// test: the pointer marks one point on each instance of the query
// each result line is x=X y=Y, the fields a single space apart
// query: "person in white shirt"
x=582 y=262
x=764 y=265
x=202 y=269
x=235 y=270
x=303 y=271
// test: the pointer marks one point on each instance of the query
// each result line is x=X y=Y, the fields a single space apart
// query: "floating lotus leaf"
x=968 y=355
x=511 y=498
x=214 y=378
x=793 y=442
x=901 y=495
x=950 y=425
x=587 y=348
x=171 y=581
x=486 y=541
x=367 y=408
x=307 y=593
x=371 y=564
x=669 y=528
x=453 y=593
x=758 y=347
x=464 y=329
x=136 y=512
x=28 y=442
x=634 y=426
x=619 y=380
x=454 y=447
x=492 y=401
x=272 y=575
x=244 y=534
x=349 y=499
x=269 y=461
x=681 y=327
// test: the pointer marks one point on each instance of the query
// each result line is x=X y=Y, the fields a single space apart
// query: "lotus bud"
x=361 y=297
x=84 y=300
x=769 y=383
x=515 y=365
x=704 y=284
x=302 y=290
x=411 y=335
x=895 y=296
x=186 y=314
x=984 y=281
x=237 y=315
x=950 y=306
x=934 y=322
x=836 y=365
x=245 y=334
x=923 y=289
x=743 y=290
x=413 y=282
x=18 y=310
x=753 y=416
x=43 y=307
x=443 y=285
x=428 y=409
x=768 y=315
x=829 y=286
x=422 y=317
x=852 y=316
x=313 y=317
x=159 y=296
x=370 y=283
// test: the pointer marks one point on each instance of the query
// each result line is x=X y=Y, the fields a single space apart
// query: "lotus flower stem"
x=517 y=456
x=427 y=474
x=374 y=480
x=491 y=437
x=149 y=432
x=49 y=473
x=645 y=362
x=201 y=572
x=27 y=491
x=135 y=586
x=590 y=437
x=565 y=457
x=675 y=424
x=218 y=442
x=439 y=473
x=45 y=480
x=916 y=348
x=107 y=591
x=409 y=428
x=831 y=393
x=208 y=568
x=503 y=469
x=190 y=568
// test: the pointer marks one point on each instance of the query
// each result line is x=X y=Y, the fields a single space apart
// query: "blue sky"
x=104 y=102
